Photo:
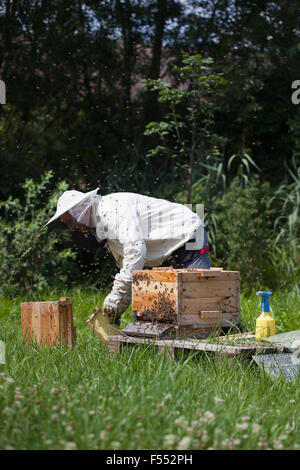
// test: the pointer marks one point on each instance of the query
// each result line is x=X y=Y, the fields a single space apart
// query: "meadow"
x=52 y=398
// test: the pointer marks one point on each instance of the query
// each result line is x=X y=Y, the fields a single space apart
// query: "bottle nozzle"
x=264 y=303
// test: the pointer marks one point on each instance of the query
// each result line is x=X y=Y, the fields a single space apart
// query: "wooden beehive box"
x=195 y=301
x=48 y=323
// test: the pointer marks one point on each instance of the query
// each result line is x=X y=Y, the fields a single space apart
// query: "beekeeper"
x=139 y=231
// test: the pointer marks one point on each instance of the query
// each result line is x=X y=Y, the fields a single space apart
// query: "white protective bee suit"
x=139 y=231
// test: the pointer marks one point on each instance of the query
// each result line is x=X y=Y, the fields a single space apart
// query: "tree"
x=186 y=132
x=256 y=45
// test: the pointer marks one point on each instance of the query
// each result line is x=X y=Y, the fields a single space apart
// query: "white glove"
x=116 y=303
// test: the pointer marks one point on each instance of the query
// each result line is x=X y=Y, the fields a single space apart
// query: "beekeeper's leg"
x=199 y=261
x=185 y=258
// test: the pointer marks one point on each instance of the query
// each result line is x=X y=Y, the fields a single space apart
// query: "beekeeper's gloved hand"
x=114 y=305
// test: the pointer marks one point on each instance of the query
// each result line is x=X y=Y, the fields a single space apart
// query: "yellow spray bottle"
x=265 y=324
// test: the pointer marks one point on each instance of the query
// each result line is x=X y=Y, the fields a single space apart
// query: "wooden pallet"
x=224 y=352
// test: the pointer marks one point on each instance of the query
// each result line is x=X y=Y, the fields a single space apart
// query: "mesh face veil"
x=85 y=212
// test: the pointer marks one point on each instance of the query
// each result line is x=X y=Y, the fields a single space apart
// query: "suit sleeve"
x=129 y=233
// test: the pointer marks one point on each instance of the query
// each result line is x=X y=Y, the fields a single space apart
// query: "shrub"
x=286 y=244
x=244 y=236
x=30 y=259
x=239 y=224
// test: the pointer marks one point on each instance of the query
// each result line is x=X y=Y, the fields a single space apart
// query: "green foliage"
x=74 y=101
x=245 y=231
x=30 y=260
x=286 y=243
x=186 y=132
x=214 y=180
x=251 y=227
x=53 y=398
x=239 y=223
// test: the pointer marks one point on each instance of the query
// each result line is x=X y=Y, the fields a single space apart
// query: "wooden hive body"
x=48 y=323
x=193 y=300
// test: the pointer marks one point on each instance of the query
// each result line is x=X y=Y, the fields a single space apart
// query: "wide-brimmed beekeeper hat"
x=70 y=199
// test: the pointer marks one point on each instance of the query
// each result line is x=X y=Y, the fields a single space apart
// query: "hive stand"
x=225 y=353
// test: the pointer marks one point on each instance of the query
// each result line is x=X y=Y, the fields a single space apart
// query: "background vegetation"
x=187 y=100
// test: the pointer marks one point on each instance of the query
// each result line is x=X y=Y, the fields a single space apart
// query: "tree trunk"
x=128 y=52
x=151 y=108
x=191 y=159
x=160 y=21
x=129 y=58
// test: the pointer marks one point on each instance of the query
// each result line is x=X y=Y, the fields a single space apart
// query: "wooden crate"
x=48 y=323
x=194 y=301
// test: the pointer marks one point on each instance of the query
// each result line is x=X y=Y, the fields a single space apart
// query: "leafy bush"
x=245 y=223
x=239 y=224
x=30 y=259
x=286 y=245
x=213 y=181
x=251 y=228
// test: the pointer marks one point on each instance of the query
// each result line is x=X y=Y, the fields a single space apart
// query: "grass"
x=81 y=399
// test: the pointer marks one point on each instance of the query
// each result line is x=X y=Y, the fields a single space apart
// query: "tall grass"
x=286 y=243
x=252 y=227
x=81 y=399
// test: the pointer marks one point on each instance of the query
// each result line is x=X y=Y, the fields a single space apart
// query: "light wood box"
x=48 y=323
